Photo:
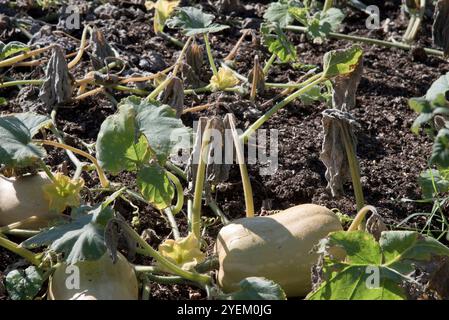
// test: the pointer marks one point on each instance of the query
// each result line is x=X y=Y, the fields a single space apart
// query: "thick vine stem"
x=165 y=263
x=327 y=5
x=21 y=83
x=247 y=189
x=388 y=44
x=358 y=220
x=256 y=125
x=15 y=248
x=101 y=175
x=23 y=56
x=199 y=183
x=269 y=63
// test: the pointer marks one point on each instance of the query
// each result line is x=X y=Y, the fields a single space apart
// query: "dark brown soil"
x=391 y=157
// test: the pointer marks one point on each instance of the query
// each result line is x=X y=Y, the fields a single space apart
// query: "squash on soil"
x=276 y=247
x=98 y=280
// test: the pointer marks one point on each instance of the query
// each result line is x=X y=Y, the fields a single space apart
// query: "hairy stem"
x=15 y=248
x=23 y=56
x=269 y=63
x=209 y=54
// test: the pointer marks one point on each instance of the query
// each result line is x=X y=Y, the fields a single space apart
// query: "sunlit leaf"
x=16 y=133
x=194 y=21
x=155 y=186
x=440 y=150
x=80 y=240
x=276 y=41
x=11 y=48
x=341 y=62
x=278 y=12
x=373 y=270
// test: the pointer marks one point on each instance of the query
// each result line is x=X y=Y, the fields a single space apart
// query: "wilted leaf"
x=341 y=62
x=101 y=50
x=333 y=153
x=224 y=79
x=24 y=284
x=192 y=68
x=58 y=85
x=11 y=48
x=194 y=21
x=16 y=133
x=173 y=95
x=255 y=288
x=372 y=270
x=440 y=29
x=79 y=240
x=63 y=192
x=162 y=11
x=184 y=252
x=155 y=186
x=345 y=88
x=276 y=41
x=257 y=77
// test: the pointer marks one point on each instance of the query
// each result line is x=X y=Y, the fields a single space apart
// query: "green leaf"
x=159 y=124
x=16 y=133
x=341 y=62
x=255 y=288
x=155 y=186
x=3 y=101
x=24 y=284
x=79 y=240
x=194 y=21
x=427 y=179
x=440 y=150
x=11 y=48
x=279 y=12
x=277 y=43
x=333 y=17
x=390 y=262
x=139 y=128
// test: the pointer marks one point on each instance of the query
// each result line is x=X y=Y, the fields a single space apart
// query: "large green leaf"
x=278 y=12
x=11 y=48
x=118 y=147
x=194 y=21
x=24 y=284
x=255 y=288
x=16 y=133
x=341 y=62
x=159 y=124
x=139 y=128
x=373 y=270
x=276 y=41
x=80 y=240
x=155 y=186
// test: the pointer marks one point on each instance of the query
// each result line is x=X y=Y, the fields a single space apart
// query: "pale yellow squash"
x=276 y=247
x=95 y=280
x=22 y=198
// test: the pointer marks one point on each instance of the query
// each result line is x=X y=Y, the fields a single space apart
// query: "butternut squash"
x=22 y=198
x=276 y=247
x=95 y=280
